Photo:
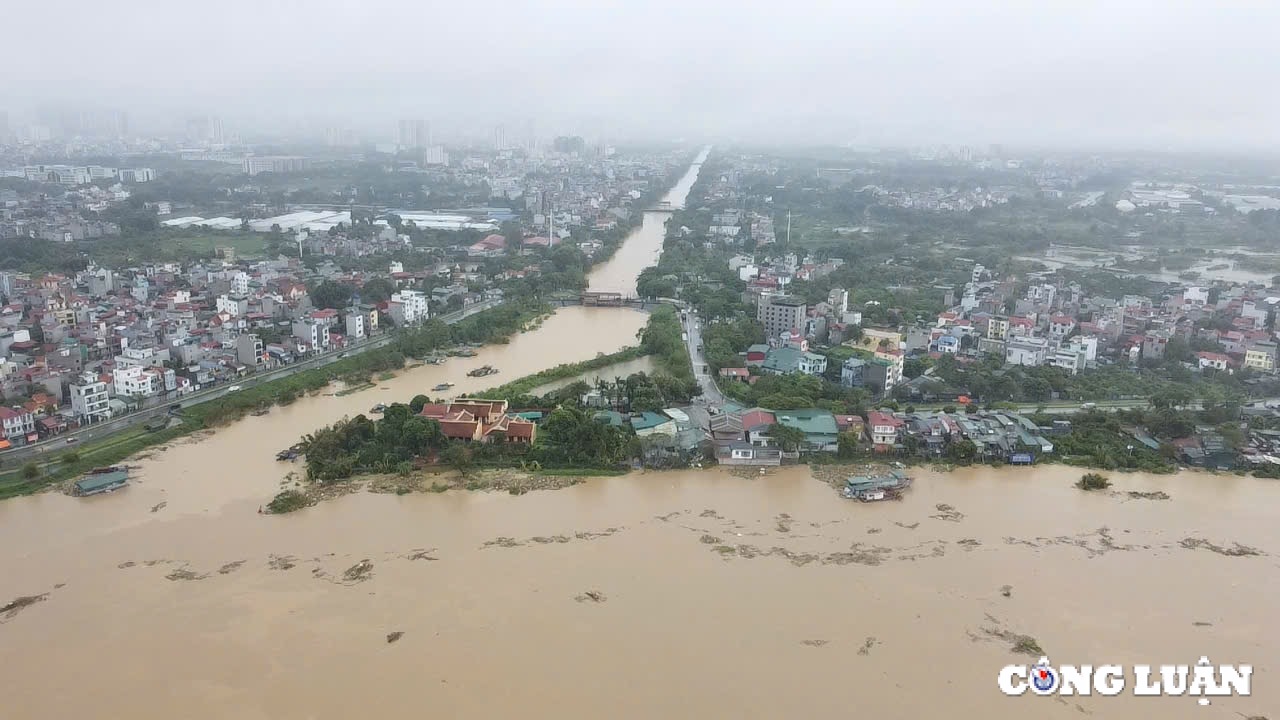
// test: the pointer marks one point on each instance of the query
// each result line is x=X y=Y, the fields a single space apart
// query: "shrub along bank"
x=522 y=387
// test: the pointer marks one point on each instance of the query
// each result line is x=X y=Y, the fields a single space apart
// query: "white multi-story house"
x=315 y=334
x=1030 y=351
x=19 y=425
x=235 y=306
x=355 y=326
x=1213 y=360
x=410 y=306
x=143 y=381
x=90 y=401
x=142 y=357
x=1088 y=344
x=884 y=430
x=1061 y=326
x=240 y=283
x=1073 y=361
x=893 y=362
x=249 y=350
x=1261 y=357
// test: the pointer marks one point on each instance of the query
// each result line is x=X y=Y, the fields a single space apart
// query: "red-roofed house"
x=884 y=430
x=326 y=317
x=850 y=423
x=19 y=425
x=737 y=374
x=1061 y=326
x=1214 y=360
x=1232 y=340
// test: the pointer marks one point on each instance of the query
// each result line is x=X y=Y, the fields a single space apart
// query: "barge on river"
x=102 y=480
x=876 y=487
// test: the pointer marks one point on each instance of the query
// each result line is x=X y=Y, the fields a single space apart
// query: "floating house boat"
x=876 y=487
x=102 y=480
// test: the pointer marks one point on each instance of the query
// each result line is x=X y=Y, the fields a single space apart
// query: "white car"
x=233 y=388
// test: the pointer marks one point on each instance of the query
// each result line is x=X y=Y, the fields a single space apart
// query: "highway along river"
x=690 y=594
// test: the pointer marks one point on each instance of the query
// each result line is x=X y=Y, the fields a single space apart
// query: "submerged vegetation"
x=1093 y=481
x=288 y=501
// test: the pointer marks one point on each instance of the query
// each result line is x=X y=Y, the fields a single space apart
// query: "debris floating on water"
x=867 y=644
x=1237 y=550
x=359 y=572
x=21 y=603
x=394 y=636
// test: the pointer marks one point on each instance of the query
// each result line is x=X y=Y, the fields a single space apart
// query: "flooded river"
x=608 y=373
x=692 y=594
x=643 y=246
x=717 y=596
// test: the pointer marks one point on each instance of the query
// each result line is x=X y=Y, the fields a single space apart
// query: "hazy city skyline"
x=1140 y=75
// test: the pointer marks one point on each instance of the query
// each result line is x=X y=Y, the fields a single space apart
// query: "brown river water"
x=715 y=595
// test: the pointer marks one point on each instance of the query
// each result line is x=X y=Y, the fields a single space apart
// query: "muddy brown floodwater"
x=691 y=594
x=707 y=595
x=644 y=245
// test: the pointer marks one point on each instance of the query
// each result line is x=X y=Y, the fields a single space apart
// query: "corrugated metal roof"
x=98 y=481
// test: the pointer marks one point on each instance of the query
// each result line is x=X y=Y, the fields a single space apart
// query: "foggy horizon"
x=1132 y=76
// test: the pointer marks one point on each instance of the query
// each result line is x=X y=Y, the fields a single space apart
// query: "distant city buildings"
x=256 y=164
x=413 y=133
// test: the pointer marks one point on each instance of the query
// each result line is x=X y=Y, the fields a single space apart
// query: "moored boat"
x=102 y=480
x=877 y=487
x=442 y=386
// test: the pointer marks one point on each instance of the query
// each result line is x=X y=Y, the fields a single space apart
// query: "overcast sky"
x=1120 y=74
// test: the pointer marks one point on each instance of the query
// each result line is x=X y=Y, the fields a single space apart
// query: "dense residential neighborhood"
x=134 y=290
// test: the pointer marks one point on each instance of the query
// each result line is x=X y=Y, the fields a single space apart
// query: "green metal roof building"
x=819 y=426
x=100 y=482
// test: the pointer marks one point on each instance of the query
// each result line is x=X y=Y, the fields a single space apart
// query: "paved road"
x=711 y=394
x=103 y=429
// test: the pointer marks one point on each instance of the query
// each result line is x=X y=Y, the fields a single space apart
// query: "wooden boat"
x=442 y=386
